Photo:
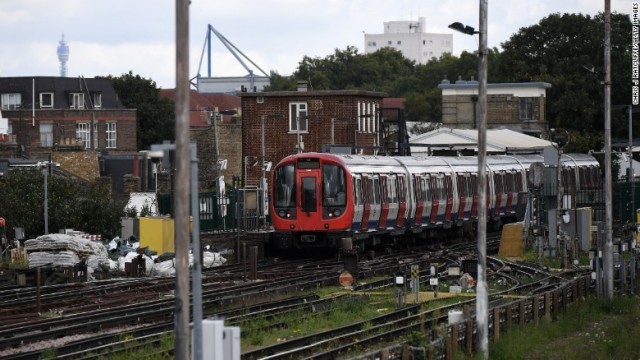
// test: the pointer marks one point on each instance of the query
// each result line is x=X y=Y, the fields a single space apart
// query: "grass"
x=595 y=329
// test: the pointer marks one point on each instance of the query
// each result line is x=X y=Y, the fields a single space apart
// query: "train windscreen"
x=284 y=186
x=333 y=185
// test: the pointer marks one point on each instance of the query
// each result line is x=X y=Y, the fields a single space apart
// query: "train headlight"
x=337 y=212
x=282 y=213
x=326 y=226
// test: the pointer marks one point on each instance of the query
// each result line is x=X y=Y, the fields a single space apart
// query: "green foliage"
x=555 y=51
x=23 y=206
x=155 y=115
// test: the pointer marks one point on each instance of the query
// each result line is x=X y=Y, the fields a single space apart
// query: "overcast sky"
x=117 y=36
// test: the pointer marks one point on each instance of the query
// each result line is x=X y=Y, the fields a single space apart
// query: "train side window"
x=375 y=190
x=448 y=187
x=309 y=194
x=334 y=185
x=474 y=184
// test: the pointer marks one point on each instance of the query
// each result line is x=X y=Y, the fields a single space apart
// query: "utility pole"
x=608 y=231
x=482 y=301
x=181 y=200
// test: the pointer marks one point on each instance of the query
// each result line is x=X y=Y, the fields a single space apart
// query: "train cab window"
x=334 y=184
x=284 y=186
x=357 y=191
x=309 y=194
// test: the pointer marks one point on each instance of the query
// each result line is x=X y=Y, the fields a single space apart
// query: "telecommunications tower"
x=63 y=56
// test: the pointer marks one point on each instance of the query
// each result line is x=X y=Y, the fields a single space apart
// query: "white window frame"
x=46 y=100
x=525 y=108
x=46 y=134
x=76 y=100
x=111 y=135
x=82 y=133
x=11 y=101
x=97 y=100
x=298 y=110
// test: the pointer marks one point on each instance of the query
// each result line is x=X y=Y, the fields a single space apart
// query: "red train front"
x=310 y=199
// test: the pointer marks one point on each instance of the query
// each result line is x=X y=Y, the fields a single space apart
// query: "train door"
x=498 y=181
x=402 y=200
x=376 y=206
x=392 y=200
x=358 y=207
x=475 y=196
x=420 y=199
x=509 y=189
x=384 y=201
x=366 y=198
x=438 y=201
x=464 y=207
x=309 y=217
x=451 y=201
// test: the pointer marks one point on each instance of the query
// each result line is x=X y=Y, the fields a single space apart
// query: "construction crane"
x=232 y=49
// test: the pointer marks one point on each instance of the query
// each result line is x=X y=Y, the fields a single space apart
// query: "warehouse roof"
x=498 y=141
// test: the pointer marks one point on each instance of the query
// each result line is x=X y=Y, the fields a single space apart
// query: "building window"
x=371 y=43
x=389 y=42
x=97 y=100
x=11 y=101
x=399 y=42
x=111 y=135
x=526 y=108
x=46 y=135
x=82 y=133
x=298 y=113
x=76 y=101
x=46 y=100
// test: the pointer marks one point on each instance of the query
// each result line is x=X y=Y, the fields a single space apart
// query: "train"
x=329 y=201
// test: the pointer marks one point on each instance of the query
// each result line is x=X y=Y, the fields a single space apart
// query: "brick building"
x=46 y=114
x=515 y=106
x=202 y=109
x=348 y=118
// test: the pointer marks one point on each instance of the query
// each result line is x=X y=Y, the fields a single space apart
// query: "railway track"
x=112 y=327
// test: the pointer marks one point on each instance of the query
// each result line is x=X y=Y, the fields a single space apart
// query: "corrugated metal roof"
x=498 y=140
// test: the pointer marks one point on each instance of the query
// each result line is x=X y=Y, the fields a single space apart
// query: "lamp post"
x=482 y=298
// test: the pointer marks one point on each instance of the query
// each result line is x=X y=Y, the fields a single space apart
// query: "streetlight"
x=482 y=298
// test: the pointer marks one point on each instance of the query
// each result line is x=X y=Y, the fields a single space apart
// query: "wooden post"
x=469 y=336
x=509 y=316
x=521 y=314
x=547 y=307
x=555 y=304
x=454 y=340
x=536 y=309
x=496 y=322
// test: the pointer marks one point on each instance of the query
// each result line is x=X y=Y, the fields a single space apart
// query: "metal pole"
x=332 y=129
x=298 y=133
x=631 y=176
x=608 y=231
x=181 y=202
x=217 y=149
x=46 y=200
x=262 y=179
x=196 y=280
x=482 y=300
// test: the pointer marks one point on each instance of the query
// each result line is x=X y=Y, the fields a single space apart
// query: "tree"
x=23 y=206
x=155 y=115
x=555 y=50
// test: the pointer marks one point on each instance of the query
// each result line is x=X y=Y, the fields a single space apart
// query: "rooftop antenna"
x=63 y=56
